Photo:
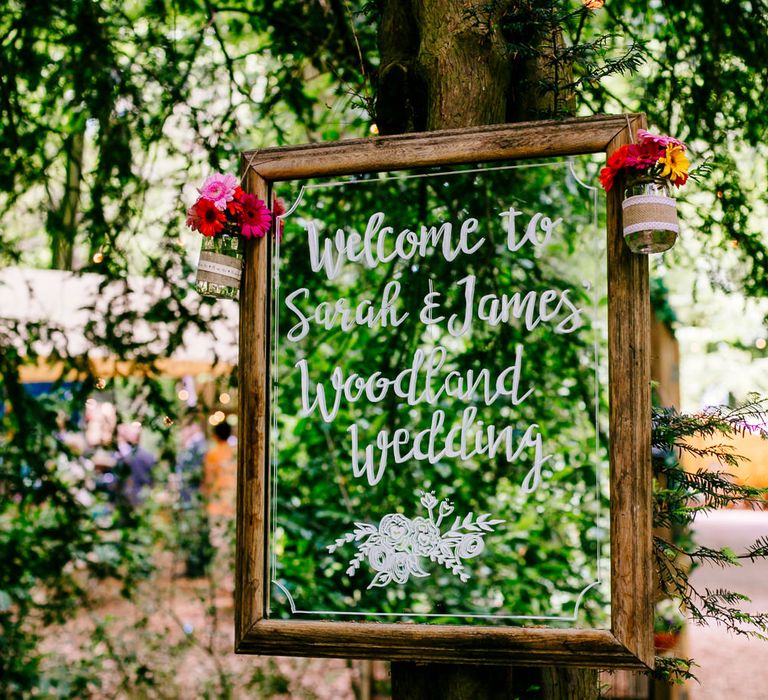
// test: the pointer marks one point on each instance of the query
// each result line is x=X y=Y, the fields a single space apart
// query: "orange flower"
x=675 y=164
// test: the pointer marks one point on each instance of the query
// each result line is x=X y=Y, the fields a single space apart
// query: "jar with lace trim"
x=649 y=216
x=220 y=267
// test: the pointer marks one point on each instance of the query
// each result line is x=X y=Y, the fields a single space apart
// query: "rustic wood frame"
x=629 y=642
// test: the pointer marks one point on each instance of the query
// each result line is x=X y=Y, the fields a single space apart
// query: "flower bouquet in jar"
x=225 y=215
x=668 y=624
x=648 y=169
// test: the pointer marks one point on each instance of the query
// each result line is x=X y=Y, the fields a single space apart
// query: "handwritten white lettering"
x=370 y=248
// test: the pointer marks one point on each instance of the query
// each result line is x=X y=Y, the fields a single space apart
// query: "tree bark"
x=569 y=683
x=445 y=64
x=400 y=104
x=62 y=224
x=451 y=682
x=464 y=61
x=455 y=682
x=543 y=89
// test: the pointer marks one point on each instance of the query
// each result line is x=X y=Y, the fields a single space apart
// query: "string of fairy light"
x=217 y=416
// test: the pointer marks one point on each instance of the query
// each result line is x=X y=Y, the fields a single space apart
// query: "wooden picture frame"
x=629 y=642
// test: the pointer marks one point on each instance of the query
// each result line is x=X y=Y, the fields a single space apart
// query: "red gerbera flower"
x=606 y=178
x=208 y=218
x=193 y=218
x=236 y=205
x=616 y=162
x=255 y=218
x=278 y=209
x=619 y=157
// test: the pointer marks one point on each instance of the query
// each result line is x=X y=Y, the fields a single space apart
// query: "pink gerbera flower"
x=254 y=217
x=643 y=155
x=661 y=141
x=219 y=189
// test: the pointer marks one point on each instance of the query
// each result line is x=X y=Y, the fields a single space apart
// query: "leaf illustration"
x=339 y=542
x=380 y=579
x=364 y=529
x=415 y=569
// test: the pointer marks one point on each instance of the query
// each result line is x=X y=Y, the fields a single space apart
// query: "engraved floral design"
x=396 y=547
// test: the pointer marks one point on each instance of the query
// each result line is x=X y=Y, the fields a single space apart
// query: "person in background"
x=191 y=518
x=219 y=492
x=134 y=464
x=189 y=465
x=220 y=476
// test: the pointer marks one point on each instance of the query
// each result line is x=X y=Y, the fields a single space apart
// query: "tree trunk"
x=569 y=683
x=544 y=89
x=451 y=682
x=62 y=223
x=464 y=61
x=455 y=682
x=445 y=64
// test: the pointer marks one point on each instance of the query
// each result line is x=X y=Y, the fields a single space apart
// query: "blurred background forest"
x=110 y=114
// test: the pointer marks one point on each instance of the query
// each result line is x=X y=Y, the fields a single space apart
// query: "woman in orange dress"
x=220 y=482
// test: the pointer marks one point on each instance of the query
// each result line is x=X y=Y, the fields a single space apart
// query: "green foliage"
x=703 y=83
x=662 y=309
x=98 y=98
x=54 y=534
x=674 y=670
x=551 y=35
x=107 y=110
x=682 y=495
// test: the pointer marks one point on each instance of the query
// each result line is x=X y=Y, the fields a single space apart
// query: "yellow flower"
x=675 y=163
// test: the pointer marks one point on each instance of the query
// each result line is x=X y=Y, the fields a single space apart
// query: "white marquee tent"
x=70 y=302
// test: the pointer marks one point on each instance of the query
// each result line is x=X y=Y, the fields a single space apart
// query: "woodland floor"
x=731 y=666
x=174 y=640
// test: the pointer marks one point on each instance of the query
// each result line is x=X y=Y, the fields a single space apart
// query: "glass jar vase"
x=220 y=267
x=649 y=216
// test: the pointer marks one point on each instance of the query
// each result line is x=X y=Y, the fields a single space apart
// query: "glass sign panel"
x=438 y=448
